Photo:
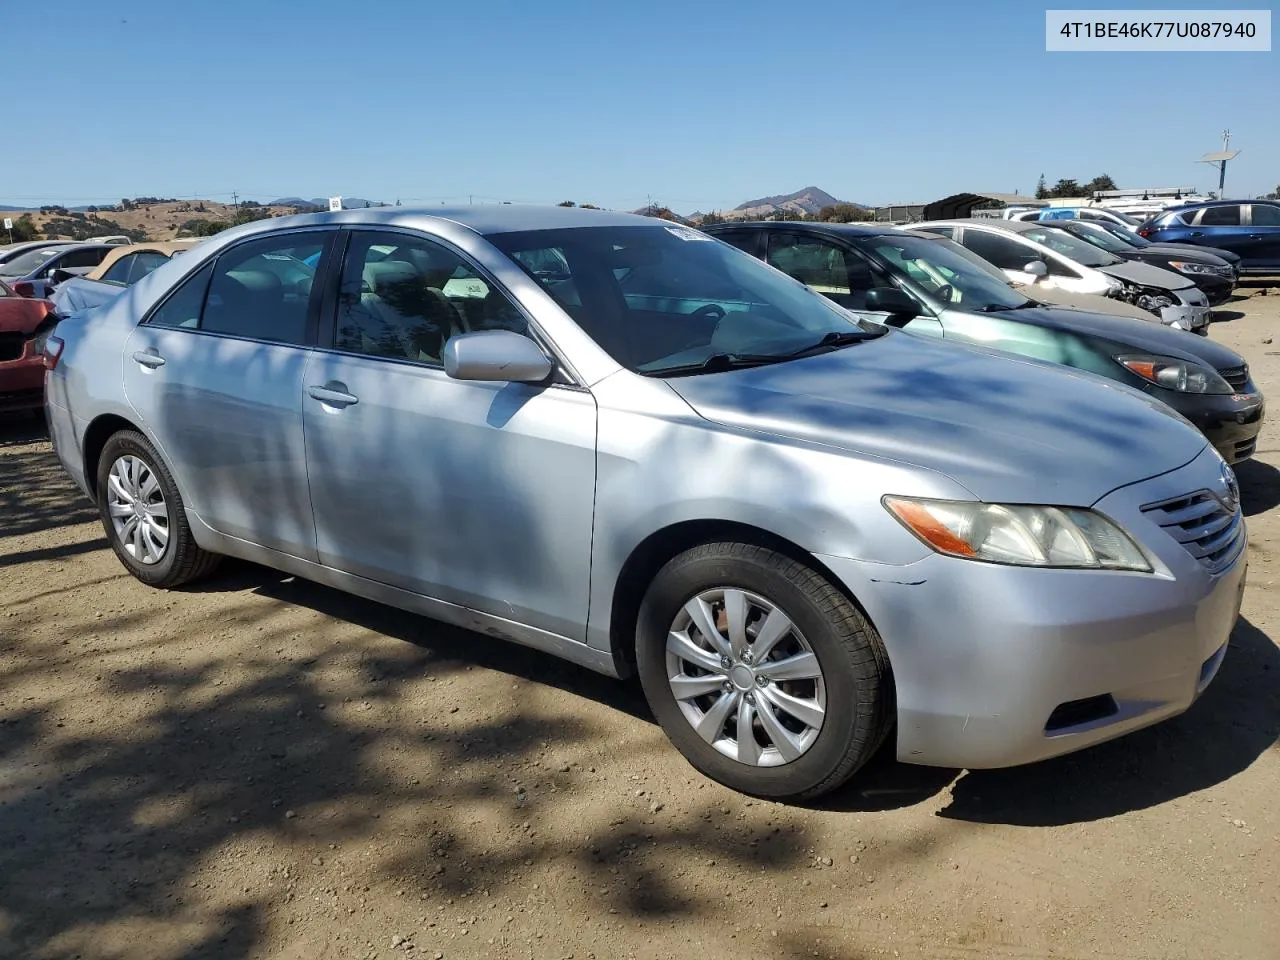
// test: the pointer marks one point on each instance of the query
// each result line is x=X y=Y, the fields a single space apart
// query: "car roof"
x=486 y=219
x=1214 y=203
x=119 y=251
x=848 y=230
x=1008 y=226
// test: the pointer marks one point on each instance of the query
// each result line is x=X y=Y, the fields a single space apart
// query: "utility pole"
x=235 y=199
x=1220 y=158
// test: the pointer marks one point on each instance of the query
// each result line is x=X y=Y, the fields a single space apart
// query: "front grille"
x=11 y=345
x=1238 y=377
x=1244 y=448
x=1203 y=524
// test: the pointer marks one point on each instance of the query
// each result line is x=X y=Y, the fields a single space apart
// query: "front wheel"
x=763 y=674
x=143 y=515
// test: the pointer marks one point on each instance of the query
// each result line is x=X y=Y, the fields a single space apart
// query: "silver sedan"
x=627 y=444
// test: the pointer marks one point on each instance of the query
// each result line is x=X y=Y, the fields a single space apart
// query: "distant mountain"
x=808 y=200
x=348 y=203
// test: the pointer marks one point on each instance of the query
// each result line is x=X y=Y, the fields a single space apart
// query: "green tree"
x=710 y=218
x=1273 y=195
x=1102 y=182
x=566 y=203
x=843 y=213
x=1042 y=189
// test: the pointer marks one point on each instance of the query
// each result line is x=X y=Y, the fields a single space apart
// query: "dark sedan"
x=36 y=273
x=933 y=286
x=1213 y=275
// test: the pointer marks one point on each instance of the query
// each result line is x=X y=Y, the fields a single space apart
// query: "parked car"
x=929 y=285
x=1214 y=276
x=797 y=527
x=24 y=326
x=1028 y=252
x=1122 y=220
x=13 y=250
x=1249 y=228
x=37 y=272
x=120 y=268
x=1134 y=239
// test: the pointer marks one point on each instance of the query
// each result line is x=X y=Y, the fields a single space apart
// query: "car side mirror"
x=496 y=355
x=1037 y=268
x=58 y=276
x=892 y=301
x=24 y=288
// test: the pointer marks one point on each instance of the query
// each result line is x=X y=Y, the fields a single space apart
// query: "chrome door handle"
x=149 y=358
x=333 y=394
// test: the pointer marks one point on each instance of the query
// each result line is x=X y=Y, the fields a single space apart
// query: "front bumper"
x=997 y=666
x=1231 y=423
x=1190 y=313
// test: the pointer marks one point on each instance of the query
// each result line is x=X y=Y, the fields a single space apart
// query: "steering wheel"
x=712 y=310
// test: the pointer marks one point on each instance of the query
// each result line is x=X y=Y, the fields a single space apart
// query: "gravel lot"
x=262 y=767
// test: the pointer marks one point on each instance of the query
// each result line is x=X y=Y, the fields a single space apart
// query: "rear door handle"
x=149 y=358
x=333 y=394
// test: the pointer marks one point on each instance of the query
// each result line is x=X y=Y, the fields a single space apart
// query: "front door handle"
x=149 y=358
x=333 y=394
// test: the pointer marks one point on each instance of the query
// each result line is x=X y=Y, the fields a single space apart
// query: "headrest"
x=385 y=273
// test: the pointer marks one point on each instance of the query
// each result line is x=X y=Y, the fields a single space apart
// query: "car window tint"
x=262 y=289
x=1228 y=216
x=744 y=240
x=182 y=308
x=143 y=263
x=403 y=297
x=118 y=272
x=824 y=266
x=1005 y=253
x=1265 y=216
x=85 y=257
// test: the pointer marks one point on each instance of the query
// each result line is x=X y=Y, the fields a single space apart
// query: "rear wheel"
x=761 y=672
x=143 y=515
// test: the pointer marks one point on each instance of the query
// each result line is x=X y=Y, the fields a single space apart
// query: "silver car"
x=622 y=442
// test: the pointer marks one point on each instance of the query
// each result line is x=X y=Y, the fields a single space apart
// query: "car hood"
x=1190 y=253
x=1147 y=275
x=1007 y=429
x=1133 y=336
x=22 y=314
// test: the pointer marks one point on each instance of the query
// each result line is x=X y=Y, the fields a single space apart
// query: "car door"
x=215 y=373
x=1224 y=226
x=1264 y=235
x=839 y=273
x=475 y=493
x=1012 y=255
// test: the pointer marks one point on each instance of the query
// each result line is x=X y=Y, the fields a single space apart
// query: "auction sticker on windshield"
x=684 y=233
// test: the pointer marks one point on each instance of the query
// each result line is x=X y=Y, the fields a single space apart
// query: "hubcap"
x=139 y=514
x=745 y=677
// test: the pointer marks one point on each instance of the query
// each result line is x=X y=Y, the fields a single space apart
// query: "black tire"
x=860 y=707
x=182 y=561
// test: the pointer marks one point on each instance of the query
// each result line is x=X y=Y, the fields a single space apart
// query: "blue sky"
x=699 y=104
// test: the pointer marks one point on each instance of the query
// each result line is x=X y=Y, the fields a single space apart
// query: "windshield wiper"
x=1001 y=308
x=836 y=339
x=718 y=363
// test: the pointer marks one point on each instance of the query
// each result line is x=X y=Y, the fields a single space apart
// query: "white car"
x=1079 y=213
x=1033 y=253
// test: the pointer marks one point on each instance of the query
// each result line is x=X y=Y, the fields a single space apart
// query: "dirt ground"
x=262 y=767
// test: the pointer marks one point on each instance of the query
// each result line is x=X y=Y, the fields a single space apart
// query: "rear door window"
x=1228 y=216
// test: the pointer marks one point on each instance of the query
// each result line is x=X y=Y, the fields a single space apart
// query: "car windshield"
x=668 y=299
x=946 y=271
x=21 y=265
x=1099 y=238
x=1073 y=248
x=1123 y=216
x=1127 y=237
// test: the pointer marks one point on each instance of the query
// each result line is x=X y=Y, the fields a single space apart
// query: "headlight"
x=39 y=341
x=1114 y=287
x=1174 y=374
x=1204 y=269
x=1019 y=535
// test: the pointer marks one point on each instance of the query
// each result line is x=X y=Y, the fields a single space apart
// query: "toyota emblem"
x=1231 y=496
